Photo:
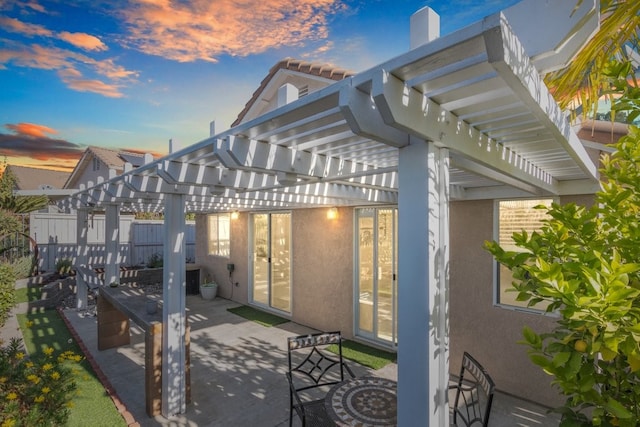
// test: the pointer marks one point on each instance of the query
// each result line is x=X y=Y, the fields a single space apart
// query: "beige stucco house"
x=363 y=205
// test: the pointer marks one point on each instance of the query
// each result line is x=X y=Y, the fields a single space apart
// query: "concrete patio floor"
x=237 y=372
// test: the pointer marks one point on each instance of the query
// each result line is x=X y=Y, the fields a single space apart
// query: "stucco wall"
x=232 y=287
x=322 y=266
x=322 y=289
x=323 y=269
x=489 y=333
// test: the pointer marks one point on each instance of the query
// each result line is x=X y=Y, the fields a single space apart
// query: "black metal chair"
x=474 y=394
x=312 y=372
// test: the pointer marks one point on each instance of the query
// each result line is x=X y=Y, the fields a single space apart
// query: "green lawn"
x=364 y=355
x=28 y=294
x=92 y=406
x=258 y=316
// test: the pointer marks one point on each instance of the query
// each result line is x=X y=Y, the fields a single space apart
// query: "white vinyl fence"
x=55 y=235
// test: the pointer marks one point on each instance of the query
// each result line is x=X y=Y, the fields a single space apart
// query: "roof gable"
x=310 y=76
x=111 y=159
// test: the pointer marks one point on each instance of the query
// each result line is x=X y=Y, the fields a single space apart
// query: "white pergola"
x=465 y=116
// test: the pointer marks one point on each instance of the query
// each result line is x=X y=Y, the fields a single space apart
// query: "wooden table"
x=364 y=401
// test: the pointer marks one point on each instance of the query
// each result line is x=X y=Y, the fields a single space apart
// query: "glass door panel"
x=260 y=258
x=386 y=274
x=280 y=262
x=271 y=269
x=365 y=270
x=376 y=274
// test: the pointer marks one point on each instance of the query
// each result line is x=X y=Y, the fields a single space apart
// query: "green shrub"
x=35 y=391
x=7 y=291
x=23 y=267
x=155 y=261
x=585 y=263
x=63 y=266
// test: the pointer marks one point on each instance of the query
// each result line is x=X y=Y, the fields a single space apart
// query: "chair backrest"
x=474 y=394
x=312 y=363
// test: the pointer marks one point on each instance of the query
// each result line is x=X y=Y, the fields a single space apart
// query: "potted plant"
x=209 y=289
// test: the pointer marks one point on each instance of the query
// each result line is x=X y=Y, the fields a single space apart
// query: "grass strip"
x=258 y=316
x=28 y=294
x=91 y=402
x=363 y=354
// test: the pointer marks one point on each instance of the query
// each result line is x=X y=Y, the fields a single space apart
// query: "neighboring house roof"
x=603 y=132
x=113 y=159
x=28 y=178
x=297 y=72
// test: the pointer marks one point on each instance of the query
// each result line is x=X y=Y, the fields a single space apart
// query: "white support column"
x=174 y=395
x=82 y=228
x=423 y=326
x=111 y=244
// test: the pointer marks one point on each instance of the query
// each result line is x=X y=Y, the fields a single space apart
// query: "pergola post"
x=82 y=222
x=111 y=244
x=174 y=396
x=423 y=237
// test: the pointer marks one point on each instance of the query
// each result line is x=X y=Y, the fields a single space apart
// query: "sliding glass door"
x=271 y=261
x=376 y=278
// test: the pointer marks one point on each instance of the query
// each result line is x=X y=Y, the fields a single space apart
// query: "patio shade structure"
x=465 y=116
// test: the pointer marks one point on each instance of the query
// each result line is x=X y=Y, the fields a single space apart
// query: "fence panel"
x=55 y=235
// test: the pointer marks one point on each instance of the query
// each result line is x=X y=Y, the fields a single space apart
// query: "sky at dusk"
x=133 y=74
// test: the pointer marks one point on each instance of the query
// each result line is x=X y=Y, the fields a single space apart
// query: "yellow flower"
x=47 y=367
x=45 y=390
x=29 y=323
x=33 y=378
x=55 y=375
x=48 y=351
x=12 y=396
x=19 y=355
x=39 y=399
x=9 y=422
x=29 y=364
x=69 y=404
x=3 y=380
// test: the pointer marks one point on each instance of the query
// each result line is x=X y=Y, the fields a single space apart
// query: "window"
x=219 y=234
x=515 y=216
x=96 y=164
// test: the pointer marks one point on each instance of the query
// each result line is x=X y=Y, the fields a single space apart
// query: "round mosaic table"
x=361 y=402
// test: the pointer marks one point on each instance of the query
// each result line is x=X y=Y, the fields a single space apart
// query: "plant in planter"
x=209 y=289
x=63 y=267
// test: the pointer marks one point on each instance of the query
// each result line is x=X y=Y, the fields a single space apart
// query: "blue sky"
x=134 y=74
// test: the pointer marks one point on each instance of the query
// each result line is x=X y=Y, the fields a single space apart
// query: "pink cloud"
x=16 y=26
x=31 y=129
x=83 y=40
x=74 y=80
x=30 y=140
x=204 y=30
x=72 y=68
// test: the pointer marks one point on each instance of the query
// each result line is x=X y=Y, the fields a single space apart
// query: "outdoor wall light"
x=235 y=215
x=332 y=213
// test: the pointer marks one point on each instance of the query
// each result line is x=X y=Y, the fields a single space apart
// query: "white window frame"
x=220 y=244
x=496 y=267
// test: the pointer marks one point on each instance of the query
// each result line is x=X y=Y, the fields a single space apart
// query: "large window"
x=515 y=216
x=219 y=234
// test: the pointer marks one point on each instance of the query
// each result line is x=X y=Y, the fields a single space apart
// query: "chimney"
x=287 y=93
x=425 y=27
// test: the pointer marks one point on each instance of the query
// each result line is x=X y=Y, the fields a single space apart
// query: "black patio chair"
x=312 y=372
x=474 y=394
